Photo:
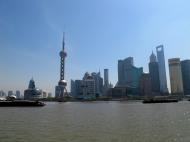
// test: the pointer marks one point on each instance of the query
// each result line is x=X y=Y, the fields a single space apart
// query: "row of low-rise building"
x=29 y=94
x=11 y=93
x=2 y=94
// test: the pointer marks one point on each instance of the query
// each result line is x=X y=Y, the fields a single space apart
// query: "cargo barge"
x=21 y=103
x=151 y=101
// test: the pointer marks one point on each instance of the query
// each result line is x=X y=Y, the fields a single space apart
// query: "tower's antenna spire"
x=63 y=40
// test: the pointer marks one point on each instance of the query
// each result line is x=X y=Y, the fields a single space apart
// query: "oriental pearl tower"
x=60 y=90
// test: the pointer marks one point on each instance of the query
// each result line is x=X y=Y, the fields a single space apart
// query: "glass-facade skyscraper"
x=128 y=74
x=185 y=68
x=175 y=76
x=154 y=73
x=162 y=69
x=106 y=78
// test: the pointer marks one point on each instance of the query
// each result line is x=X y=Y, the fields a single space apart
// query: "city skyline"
x=119 y=32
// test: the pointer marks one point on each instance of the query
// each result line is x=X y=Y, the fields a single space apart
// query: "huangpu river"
x=97 y=122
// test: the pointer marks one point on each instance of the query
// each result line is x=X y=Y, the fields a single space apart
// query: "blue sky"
x=98 y=33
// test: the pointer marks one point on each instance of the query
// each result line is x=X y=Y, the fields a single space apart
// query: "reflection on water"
x=97 y=122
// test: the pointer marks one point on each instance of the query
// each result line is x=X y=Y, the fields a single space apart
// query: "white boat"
x=2 y=99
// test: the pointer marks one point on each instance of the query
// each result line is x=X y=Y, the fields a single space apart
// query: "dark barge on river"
x=161 y=99
x=21 y=103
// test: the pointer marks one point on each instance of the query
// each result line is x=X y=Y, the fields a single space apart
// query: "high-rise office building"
x=145 y=84
x=153 y=58
x=106 y=78
x=128 y=74
x=84 y=88
x=107 y=85
x=32 y=93
x=2 y=93
x=79 y=88
x=73 y=90
x=18 y=95
x=185 y=68
x=60 y=90
x=98 y=83
x=162 y=68
x=175 y=76
x=154 y=73
x=89 y=91
x=10 y=93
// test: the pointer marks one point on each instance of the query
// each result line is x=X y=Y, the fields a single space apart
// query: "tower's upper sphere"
x=63 y=54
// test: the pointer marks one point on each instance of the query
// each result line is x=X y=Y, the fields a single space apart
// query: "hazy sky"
x=98 y=33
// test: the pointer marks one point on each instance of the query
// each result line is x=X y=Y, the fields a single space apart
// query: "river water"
x=97 y=122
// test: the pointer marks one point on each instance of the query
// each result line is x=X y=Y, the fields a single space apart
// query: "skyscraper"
x=128 y=74
x=98 y=83
x=84 y=88
x=60 y=90
x=32 y=93
x=73 y=89
x=78 y=88
x=185 y=68
x=106 y=78
x=10 y=93
x=162 y=69
x=154 y=73
x=175 y=76
x=153 y=58
x=89 y=90
x=145 y=84
x=18 y=95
